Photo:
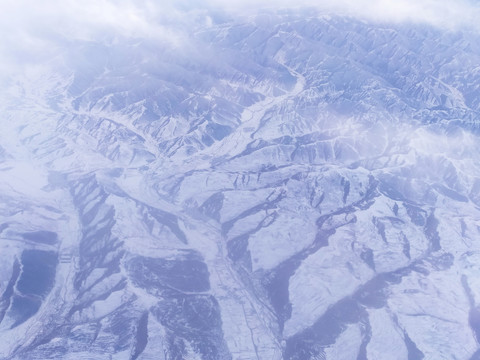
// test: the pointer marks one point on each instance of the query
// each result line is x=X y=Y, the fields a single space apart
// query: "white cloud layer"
x=30 y=29
x=442 y=13
x=82 y=18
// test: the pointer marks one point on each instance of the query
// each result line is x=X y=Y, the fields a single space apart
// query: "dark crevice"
x=141 y=338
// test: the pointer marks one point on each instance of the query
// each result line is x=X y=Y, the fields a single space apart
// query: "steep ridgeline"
x=281 y=187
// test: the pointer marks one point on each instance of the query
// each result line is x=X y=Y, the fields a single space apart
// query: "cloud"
x=75 y=18
x=88 y=18
x=31 y=29
x=441 y=13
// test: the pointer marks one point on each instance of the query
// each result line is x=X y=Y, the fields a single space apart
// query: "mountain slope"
x=283 y=186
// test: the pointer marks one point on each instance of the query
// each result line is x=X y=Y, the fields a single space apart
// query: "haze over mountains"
x=197 y=182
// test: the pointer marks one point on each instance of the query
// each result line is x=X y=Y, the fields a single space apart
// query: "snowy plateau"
x=288 y=185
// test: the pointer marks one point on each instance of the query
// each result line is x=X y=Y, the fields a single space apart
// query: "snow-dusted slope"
x=291 y=187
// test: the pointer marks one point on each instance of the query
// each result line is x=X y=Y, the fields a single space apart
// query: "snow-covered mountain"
x=289 y=185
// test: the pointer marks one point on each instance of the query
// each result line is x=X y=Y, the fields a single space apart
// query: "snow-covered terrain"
x=295 y=185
